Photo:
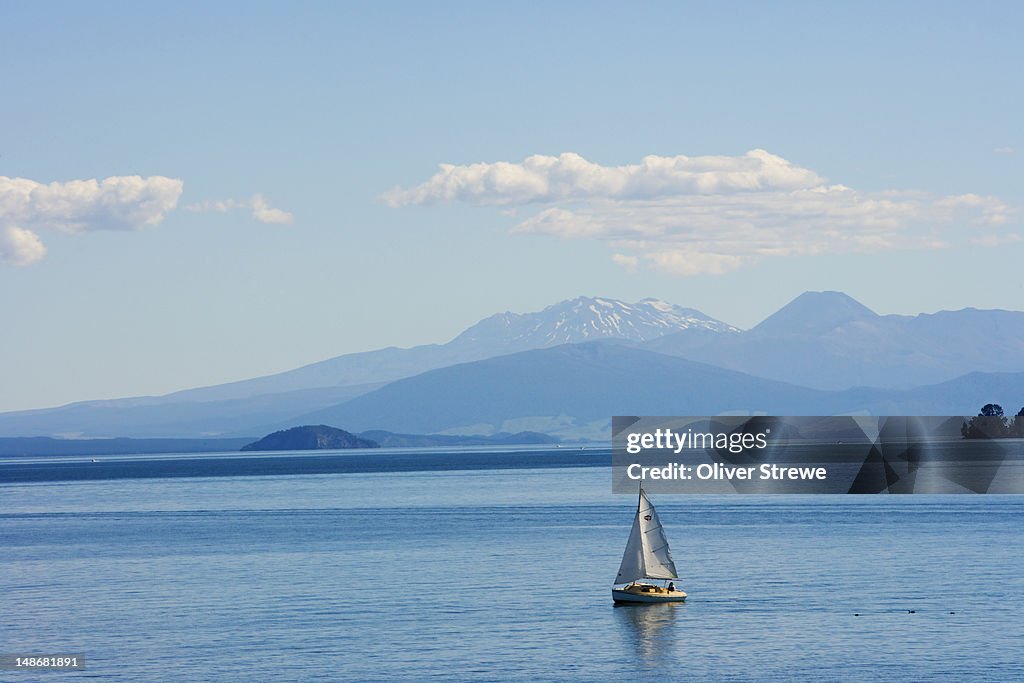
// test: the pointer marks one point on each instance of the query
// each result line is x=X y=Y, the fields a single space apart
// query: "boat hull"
x=640 y=594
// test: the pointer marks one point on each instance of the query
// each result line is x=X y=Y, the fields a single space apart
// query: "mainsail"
x=647 y=553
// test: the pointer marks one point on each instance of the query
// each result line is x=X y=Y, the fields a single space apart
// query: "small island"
x=310 y=438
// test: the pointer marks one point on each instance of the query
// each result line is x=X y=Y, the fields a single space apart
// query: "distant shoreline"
x=34 y=446
x=43 y=446
x=282 y=463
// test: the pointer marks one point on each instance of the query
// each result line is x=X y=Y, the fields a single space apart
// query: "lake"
x=496 y=568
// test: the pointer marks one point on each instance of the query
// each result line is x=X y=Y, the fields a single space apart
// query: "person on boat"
x=671 y=587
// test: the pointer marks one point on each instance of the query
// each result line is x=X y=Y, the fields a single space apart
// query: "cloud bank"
x=569 y=176
x=116 y=203
x=257 y=205
x=711 y=214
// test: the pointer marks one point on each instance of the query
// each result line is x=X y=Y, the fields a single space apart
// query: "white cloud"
x=217 y=206
x=562 y=223
x=687 y=262
x=696 y=215
x=569 y=176
x=115 y=203
x=20 y=247
x=715 y=234
x=630 y=263
x=257 y=205
x=1003 y=150
x=262 y=212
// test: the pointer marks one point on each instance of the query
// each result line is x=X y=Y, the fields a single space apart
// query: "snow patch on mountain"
x=587 y=319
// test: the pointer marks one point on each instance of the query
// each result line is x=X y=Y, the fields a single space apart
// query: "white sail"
x=657 y=555
x=647 y=553
x=632 y=567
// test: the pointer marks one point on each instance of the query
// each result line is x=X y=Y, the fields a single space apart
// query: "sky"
x=194 y=194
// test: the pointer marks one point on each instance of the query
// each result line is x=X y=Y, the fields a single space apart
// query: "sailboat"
x=647 y=558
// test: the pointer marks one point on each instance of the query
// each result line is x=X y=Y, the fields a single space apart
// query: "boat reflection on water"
x=646 y=628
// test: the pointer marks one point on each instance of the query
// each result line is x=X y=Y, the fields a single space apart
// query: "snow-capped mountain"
x=587 y=319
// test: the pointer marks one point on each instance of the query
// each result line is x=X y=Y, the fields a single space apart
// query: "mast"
x=639 y=501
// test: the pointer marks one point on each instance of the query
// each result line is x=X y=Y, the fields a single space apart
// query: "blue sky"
x=279 y=129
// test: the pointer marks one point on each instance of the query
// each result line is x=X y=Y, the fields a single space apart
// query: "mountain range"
x=572 y=390
x=827 y=340
x=566 y=369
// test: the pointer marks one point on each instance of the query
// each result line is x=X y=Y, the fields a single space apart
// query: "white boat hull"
x=645 y=593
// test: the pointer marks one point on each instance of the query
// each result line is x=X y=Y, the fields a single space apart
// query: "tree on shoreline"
x=992 y=423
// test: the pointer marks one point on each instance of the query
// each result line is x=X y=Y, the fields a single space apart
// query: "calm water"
x=493 y=574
